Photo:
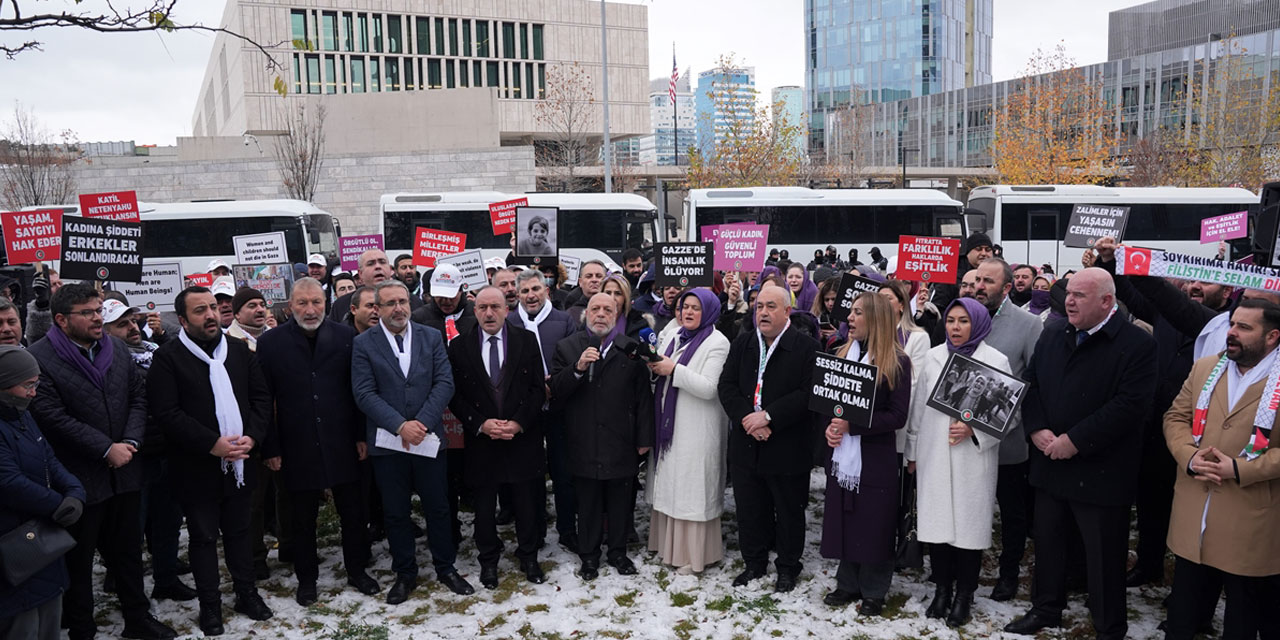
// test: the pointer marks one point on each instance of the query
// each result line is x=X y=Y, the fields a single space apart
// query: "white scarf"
x=846 y=460
x=224 y=396
x=532 y=325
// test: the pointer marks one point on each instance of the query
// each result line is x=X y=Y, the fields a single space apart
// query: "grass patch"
x=535 y=608
x=627 y=599
x=457 y=606
x=721 y=605
x=348 y=630
x=764 y=605
x=664 y=578
x=893 y=605
x=493 y=624
x=682 y=599
x=684 y=629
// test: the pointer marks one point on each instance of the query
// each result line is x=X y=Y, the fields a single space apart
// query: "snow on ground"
x=657 y=603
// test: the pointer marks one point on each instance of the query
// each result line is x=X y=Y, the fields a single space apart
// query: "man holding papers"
x=402 y=381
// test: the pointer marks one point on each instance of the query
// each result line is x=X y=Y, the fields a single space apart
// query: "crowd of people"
x=369 y=388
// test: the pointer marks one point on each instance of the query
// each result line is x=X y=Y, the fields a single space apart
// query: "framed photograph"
x=978 y=394
x=536 y=232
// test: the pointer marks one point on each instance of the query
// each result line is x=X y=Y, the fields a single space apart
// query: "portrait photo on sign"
x=536 y=232
x=978 y=395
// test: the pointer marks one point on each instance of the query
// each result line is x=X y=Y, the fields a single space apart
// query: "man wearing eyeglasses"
x=402 y=380
x=92 y=407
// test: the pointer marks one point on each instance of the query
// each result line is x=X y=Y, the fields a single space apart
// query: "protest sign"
x=684 y=264
x=536 y=232
x=850 y=286
x=121 y=206
x=502 y=215
x=928 y=260
x=471 y=265
x=199 y=280
x=738 y=247
x=843 y=389
x=350 y=248
x=453 y=433
x=32 y=236
x=160 y=284
x=977 y=394
x=572 y=266
x=1224 y=227
x=101 y=249
x=1092 y=221
x=261 y=248
x=1132 y=261
x=275 y=281
x=434 y=243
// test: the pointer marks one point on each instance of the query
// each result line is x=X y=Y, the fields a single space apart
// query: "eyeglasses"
x=391 y=304
x=30 y=386
x=87 y=313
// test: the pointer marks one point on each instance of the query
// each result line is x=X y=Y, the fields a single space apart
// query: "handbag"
x=30 y=547
x=910 y=550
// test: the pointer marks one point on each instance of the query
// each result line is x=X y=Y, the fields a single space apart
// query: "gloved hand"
x=40 y=287
x=69 y=512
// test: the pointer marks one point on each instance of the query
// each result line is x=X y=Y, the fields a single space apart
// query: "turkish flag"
x=1137 y=262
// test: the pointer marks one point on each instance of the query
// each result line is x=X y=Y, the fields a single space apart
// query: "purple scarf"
x=95 y=371
x=979 y=324
x=807 y=294
x=664 y=397
x=1039 y=302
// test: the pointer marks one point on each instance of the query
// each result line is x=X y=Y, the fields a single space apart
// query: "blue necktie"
x=1081 y=336
x=400 y=342
x=495 y=369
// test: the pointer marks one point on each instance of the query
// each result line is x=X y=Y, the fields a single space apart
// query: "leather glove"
x=40 y=287
x=69 y=512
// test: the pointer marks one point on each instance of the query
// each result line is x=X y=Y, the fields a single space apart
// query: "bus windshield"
x=213 y=236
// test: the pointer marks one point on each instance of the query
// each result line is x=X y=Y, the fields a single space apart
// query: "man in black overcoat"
x=497 y=371
x=318 y=435
x=1090 y=383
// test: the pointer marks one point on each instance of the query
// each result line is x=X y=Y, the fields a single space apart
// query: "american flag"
x=675 y=75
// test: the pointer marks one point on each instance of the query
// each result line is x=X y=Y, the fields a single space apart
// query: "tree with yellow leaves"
x=754 y=146
x=1055 y=128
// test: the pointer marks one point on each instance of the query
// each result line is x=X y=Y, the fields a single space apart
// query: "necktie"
x=495 y=369
x=1081 y=336
x=400 y=342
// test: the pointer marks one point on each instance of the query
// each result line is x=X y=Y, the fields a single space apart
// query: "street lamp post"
x=604 y=74
x=904 y=153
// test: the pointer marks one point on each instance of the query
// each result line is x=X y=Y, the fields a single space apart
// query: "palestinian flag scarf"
x=1262 y=420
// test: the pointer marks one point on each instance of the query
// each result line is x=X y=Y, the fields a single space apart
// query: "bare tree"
x=299 y=153
x=1157 y=159
x=848 y=148
x=569 y=118
x=35 y=166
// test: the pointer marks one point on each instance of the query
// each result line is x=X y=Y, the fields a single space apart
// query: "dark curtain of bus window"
x=213 y=237
x=590 y=229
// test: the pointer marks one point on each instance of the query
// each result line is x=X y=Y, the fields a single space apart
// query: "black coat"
x=32 y=485
x=557 y=326
x=519 y=397
x=608 y=415
x=182 y=401
x=1098 y=394
x=430 y=315
x=82 y=421
x=787 y=381
x=317 y=424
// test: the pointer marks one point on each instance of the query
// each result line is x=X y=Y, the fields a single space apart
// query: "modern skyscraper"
x=867 y=51
x=1172 y=24
x=788 y=101
x=723 y=98
x=659 y=148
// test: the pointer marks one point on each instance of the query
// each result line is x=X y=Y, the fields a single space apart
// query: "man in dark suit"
x=771 y=437
x=500 y=391
x=92 y=406
x=208 y=393
x=318 y=435
x=402 y=380
x=536 y=314
x=608 y=417
x=1090 y=384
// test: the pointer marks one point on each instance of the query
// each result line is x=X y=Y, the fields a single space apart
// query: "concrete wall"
x=349 y=187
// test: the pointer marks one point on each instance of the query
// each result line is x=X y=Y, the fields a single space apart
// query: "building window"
x=297 y=75
x=482 y=39
x=433 y=74
x=439 y=36
x=508 y=40
x=537 y=42
x=329 y=31
x=492 y=74
x=342 y=76
x=524 y=41
x=453 y=37
x=362 y=31
x=298 y=19
x=375 y=75
x=515 y=79
x=393 y=74
x=347 y=42
x=477 y=74
x=462 y=74
x=357 y=74
x=330 y=75
x=377 y=33
x=542 y=81
x=394 y=34
x=313 y=74
x=466 y=37
x=450 y=80
x=423 y=28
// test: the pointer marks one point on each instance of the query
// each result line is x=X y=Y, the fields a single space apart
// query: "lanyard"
x=765 y=354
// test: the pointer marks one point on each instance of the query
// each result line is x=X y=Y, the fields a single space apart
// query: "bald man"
x=1091 y=381
x=765 y=391
x=374 y=268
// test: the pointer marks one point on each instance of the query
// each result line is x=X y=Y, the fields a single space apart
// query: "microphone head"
x=593 y=340
x=647 y=335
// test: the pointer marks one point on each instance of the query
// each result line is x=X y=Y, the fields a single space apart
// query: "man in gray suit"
x=402 y=380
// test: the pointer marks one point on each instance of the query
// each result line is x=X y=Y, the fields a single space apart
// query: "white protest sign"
x=471 y=264
x=261 y=248
x=571 y=267
x=161 y=282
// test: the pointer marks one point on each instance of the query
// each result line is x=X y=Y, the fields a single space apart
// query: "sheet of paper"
x=429 y=446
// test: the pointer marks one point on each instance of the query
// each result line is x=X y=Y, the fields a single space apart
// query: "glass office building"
x=721 y=99
x=872 y=51
x=1170 y=24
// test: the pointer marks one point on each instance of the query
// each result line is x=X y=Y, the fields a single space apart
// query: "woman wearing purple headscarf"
x=686 y=487
x=955 y=468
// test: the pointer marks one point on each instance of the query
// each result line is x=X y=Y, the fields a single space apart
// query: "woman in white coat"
x=955 y=469
x=686 y=487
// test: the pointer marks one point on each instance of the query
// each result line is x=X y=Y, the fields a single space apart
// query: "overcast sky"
x=143 y=87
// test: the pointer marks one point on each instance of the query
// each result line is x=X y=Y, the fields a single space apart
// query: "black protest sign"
x=850 y=286
x=1092 y=221
x=101 y=249
x=843 y=389
x=684 y=264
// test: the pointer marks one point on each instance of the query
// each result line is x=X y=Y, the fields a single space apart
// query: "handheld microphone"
x=593 y=340
x=647 y=335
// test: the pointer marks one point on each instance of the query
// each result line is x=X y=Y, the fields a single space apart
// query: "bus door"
x=1043 y=245
x=948 y=223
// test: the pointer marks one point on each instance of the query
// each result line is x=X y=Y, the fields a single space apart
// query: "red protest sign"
x=502 y=215
x=120 y=206
x=200 y=280
x=434 y=243
x=927 y=260
x=32 y=236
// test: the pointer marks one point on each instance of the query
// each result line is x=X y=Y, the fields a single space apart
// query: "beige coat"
x=1242 y=526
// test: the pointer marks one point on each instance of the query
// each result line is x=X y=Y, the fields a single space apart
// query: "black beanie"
x=976 y=240
x=243 y=296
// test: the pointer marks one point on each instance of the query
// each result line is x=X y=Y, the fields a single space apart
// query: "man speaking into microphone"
x=608 y=418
